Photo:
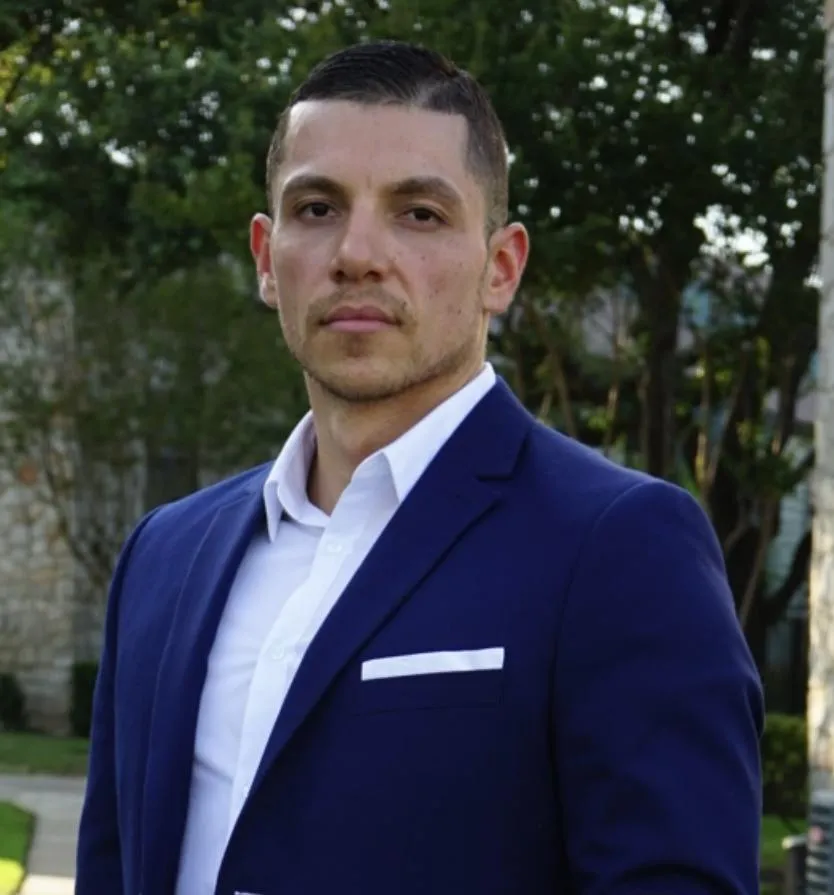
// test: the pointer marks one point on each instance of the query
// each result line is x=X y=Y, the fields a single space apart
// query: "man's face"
x=377 y=259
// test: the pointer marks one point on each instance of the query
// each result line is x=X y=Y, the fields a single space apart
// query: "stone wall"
x=821 y=672
x=51 y=607
x=36 y=600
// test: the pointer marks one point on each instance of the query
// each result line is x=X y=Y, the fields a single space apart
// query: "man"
x=435 y=648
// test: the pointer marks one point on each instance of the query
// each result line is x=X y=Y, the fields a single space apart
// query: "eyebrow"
x=312 y=183
x=436 y=187
x=409 y=188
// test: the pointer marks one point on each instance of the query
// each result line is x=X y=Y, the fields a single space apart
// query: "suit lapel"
x=458 y=488
x=180 y=683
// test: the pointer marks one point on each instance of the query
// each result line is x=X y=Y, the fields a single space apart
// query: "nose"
x=361 y=254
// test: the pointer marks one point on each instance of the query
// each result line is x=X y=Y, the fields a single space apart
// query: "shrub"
x=81 y=710
x=12 y=703
x=785 y=766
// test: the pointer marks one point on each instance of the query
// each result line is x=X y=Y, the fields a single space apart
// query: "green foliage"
x=785 y=766
x=646 y=138
x=12 y=704
x=81 y=706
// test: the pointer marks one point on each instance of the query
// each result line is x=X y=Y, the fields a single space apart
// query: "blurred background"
x=666 y=157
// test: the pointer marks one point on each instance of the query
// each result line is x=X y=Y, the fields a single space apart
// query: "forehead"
x=375 y=145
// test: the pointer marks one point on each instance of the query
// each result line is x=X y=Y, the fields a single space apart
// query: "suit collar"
x=409 y=456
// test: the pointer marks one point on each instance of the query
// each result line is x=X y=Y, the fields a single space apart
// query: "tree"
x=716 y=118
x=131 y=231
x=108 y=389
x=664 y=159
x=666 y=162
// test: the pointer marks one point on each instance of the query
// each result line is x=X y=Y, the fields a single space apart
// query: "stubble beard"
x=395 y=381
x=413 y=373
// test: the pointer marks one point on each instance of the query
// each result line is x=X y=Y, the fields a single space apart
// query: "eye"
x=422 y=215
x=314 y=210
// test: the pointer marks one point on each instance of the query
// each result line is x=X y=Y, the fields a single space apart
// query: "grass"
x=774 y=830
x=30 y=753
x=16 y=827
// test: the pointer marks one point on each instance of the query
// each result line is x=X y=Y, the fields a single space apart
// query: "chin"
x=357 y=384
x=361 y=390
x=371 y=379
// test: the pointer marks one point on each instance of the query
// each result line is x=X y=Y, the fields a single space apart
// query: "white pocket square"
x=434 y=663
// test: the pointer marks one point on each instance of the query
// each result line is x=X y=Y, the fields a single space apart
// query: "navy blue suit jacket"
x=615 y=752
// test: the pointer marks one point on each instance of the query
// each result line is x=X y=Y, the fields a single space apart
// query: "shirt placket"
x=284 y=646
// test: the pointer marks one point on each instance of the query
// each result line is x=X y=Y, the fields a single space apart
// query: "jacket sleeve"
x=658 y=709
x=98 y=859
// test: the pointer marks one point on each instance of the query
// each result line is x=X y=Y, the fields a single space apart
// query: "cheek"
x=288 y=270
x=452 y=291
x=295 y=264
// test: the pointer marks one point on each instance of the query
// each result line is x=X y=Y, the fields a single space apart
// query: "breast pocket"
x=431 y=680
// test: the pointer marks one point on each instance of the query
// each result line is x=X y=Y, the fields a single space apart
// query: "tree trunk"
x=658 y=387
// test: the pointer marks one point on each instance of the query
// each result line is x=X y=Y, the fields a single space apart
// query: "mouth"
x=361 y=319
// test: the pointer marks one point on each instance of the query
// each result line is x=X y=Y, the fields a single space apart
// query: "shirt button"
x=334 y=547
x=276 y=654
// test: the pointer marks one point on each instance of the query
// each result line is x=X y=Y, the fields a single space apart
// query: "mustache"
x=393 y=307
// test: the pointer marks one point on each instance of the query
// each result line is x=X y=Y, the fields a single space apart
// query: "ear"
x=509 y=248
x=259 y=233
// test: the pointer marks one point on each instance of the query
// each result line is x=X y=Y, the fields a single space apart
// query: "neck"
x=349 y=432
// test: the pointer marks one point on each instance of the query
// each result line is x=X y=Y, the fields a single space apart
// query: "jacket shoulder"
x=567 y=465
x=194 y=511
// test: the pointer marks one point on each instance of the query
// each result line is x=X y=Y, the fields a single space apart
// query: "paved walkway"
x=56 y=804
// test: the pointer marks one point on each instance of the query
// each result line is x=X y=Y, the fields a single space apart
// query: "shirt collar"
x=405 y=460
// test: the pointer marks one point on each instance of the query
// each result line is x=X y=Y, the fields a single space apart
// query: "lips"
x=363 y=312
x=359 y=318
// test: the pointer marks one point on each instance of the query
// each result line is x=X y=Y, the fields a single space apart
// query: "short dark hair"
x=396 y=73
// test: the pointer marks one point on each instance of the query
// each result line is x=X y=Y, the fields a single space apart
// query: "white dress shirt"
x=290 y=578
